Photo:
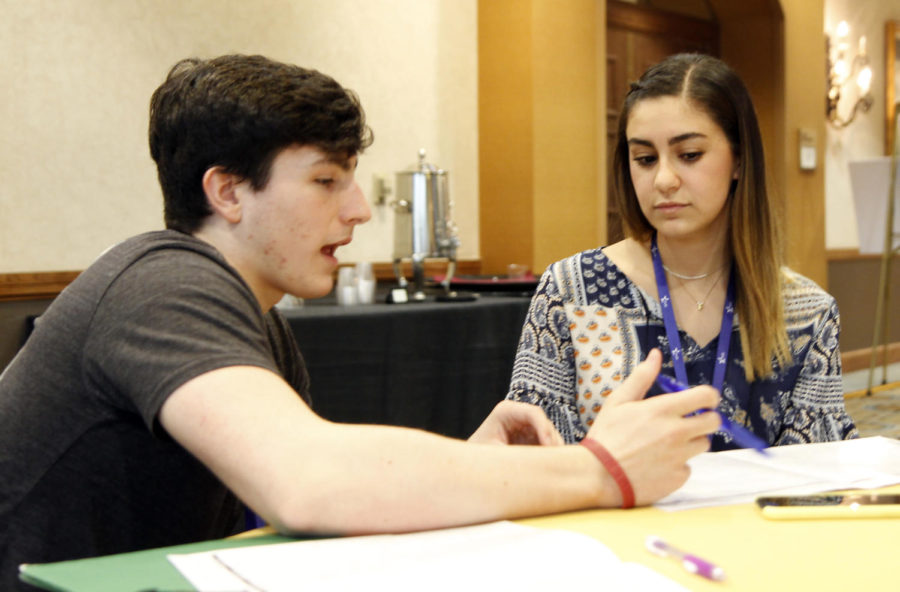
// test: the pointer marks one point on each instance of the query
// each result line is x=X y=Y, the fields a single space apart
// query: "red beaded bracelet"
x=615 y=470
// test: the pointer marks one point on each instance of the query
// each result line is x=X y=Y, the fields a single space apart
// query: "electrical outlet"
x=807 y=143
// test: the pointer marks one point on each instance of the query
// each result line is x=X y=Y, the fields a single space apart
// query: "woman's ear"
x=221 y=192
x=735 y=175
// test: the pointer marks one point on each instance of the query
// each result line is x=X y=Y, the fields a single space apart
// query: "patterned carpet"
x=878 y=414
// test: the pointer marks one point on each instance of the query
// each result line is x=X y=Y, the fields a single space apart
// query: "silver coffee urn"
x=423 y=226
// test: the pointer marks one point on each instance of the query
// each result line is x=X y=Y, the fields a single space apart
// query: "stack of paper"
x=496 y=556
x=738 y=476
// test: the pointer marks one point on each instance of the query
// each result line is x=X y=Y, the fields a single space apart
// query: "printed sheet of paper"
x=496 y=556
x=739 y=476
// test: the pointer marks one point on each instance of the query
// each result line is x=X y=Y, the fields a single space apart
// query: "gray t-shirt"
x=85 y=467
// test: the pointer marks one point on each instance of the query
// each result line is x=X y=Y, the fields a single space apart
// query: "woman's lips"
x=669 y=207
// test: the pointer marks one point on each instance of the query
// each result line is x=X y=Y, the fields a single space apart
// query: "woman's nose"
x=667 y=178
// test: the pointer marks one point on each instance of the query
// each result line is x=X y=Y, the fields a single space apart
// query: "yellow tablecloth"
x=757 y=554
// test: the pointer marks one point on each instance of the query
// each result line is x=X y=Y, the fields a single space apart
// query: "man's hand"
x=511 y=422
x=653 y=439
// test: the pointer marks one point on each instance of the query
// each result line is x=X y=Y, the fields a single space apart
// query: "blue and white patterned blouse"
x=589 y=325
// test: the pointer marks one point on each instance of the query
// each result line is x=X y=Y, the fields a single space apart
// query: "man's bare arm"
x=305 y=474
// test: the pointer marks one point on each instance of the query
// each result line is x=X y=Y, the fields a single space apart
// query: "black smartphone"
x=830 y=505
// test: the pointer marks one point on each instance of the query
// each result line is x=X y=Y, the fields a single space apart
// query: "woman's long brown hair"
x=754 y=232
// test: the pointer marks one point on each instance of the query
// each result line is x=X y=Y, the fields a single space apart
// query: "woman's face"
x=681 y=166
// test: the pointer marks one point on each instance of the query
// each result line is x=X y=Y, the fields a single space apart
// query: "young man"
x=162 y=383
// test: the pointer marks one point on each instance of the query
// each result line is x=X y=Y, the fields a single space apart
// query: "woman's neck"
x=695 y=256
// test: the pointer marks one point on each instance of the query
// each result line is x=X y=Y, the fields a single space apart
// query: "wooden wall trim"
x=860 y=359
x=34 y=285
x=48 y=284
x=850 y=255
x=384 y=272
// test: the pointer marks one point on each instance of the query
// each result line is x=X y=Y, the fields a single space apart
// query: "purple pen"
x=692 y=563
x=669 y=384
x=741 y=435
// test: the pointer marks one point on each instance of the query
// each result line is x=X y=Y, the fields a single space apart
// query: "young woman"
x=699 y=276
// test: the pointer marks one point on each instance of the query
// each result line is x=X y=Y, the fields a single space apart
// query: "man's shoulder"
x=156 y=254
x=139 y=245
x=143 y=269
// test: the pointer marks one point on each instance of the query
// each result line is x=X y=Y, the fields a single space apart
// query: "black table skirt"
x=438 y=366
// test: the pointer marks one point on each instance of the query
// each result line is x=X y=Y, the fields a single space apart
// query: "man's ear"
x=221 y=192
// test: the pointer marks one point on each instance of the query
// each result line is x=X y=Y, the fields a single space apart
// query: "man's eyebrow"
x=672 y=141
x=346 y=163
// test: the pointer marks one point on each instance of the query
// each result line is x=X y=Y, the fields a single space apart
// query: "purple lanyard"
x=672 y=327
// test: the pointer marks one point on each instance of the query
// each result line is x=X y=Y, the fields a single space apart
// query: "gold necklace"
x=701 y=303
x=686 y=277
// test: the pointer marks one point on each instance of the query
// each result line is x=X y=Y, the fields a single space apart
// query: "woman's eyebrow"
x=672 y=141
x=683 y=137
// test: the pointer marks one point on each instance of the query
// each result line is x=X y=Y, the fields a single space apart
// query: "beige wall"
x=506 y=133
x=804 y=191
x=75 y=174
x=78 y=73
x=864 y=138
x=566 y=143
x=540 y=86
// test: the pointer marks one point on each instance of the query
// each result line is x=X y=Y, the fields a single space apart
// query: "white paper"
x=498 y=556
x=739 y=476
x=205 y=572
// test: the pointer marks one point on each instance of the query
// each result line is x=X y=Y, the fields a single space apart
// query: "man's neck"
x=235 y=254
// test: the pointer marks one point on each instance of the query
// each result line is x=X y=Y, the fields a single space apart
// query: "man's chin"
x=314 y=292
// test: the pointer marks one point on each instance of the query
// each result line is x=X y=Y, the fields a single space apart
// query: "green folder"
x=143 y=571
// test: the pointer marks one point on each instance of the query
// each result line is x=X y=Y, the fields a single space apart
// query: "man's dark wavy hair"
x=238 y=112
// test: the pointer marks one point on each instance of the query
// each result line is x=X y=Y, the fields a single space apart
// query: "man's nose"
x=357 y=210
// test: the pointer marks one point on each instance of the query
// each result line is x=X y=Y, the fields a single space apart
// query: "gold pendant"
x=699 y=306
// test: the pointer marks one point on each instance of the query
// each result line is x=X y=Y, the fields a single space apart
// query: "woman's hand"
x=512 y=422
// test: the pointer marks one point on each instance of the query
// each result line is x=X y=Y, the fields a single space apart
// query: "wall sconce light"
x=842 y=69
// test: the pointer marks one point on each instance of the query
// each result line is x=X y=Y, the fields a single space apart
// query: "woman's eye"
x=326 y=181
x=691 y=156
x=644 y=161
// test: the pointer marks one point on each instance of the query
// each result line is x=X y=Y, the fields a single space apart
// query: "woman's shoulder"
x=566 y=278
x=611 y=261
x=591 y=276
x=628 y=255
x=632 y=259
x=803 y=296
x=797 y=284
